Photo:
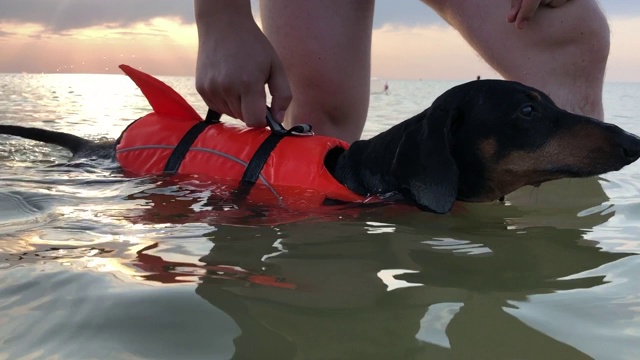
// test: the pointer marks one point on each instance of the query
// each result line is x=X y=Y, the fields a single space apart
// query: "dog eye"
x=527 y=111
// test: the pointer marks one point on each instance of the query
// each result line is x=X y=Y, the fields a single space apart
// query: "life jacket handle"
x=213 y=117
x=260 y=157
x=276 y=127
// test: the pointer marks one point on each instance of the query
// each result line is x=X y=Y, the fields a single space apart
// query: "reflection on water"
x=333 y=268
x=94 y=265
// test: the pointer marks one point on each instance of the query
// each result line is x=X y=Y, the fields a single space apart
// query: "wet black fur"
x=433 y=158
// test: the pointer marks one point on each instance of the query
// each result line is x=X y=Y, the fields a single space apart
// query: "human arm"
x=235 y=61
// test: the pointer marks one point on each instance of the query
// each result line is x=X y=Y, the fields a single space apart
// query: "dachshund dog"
x=477 y=142
x=480 y=141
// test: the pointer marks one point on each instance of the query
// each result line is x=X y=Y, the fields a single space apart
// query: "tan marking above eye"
x=488 y=148
x=535 y=96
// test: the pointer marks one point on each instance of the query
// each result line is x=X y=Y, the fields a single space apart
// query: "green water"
x=97 y=266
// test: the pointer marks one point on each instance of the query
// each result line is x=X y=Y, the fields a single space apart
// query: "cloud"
x=64 y=15
x=406 y=13
x=400 y=52
x=60 y=16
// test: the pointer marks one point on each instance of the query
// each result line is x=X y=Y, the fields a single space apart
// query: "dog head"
x=482 y=140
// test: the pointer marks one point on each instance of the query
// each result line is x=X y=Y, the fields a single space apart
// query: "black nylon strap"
x=181 y=150
x=260 y=157
x=275 y=126
x=212 y=117
x=257 y=162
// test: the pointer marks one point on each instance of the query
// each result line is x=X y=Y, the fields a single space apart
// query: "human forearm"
x=235 y=61
x=214 y=14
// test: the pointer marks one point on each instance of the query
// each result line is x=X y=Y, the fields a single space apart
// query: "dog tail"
x=163 y=99
x=70 y=142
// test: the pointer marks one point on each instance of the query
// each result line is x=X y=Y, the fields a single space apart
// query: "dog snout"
x=630 y=145
x=624 y=147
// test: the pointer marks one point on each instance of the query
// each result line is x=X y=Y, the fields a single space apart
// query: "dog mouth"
x=497 y=191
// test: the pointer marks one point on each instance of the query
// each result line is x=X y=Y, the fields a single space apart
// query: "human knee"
x=330 y=105
x=592 y=36
x=602 y=38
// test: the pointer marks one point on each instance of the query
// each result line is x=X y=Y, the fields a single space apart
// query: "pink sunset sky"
x=159 y=36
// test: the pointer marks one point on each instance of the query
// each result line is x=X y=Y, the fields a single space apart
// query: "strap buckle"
x=277 y=128
x=213 y=117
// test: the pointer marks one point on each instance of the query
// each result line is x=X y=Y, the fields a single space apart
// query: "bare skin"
x=235 y=61
x=326 y=48
x=562 y=51
x=522 y=10
x=558 y=46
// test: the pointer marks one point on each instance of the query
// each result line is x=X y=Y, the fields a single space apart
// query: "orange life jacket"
x=294 y=174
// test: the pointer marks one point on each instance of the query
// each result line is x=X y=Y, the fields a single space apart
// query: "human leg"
x=562 y=51
x=325 y=46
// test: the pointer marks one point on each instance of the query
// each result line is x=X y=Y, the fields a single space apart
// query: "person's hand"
x=235 y=61
x=523 y=10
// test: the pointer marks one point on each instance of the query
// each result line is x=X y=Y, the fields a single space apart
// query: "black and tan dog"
x=477 y=142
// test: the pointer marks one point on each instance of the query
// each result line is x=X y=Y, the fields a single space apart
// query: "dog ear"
x=432 y=181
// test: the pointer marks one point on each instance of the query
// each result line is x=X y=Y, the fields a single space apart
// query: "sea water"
x=94 y=265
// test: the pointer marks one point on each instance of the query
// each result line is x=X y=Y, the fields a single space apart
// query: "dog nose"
x=631 y=154
x=631 y=147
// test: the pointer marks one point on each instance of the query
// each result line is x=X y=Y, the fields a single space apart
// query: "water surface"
x=96 y=265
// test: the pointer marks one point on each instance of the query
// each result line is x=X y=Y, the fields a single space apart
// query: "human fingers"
x=280 y=91
x=555 y=3
x=524 y=11
x=513 y=10
x=233 y=103
x=254 y=107
x=213 y=101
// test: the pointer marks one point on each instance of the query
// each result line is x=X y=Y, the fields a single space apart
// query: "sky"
x=159 y=36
